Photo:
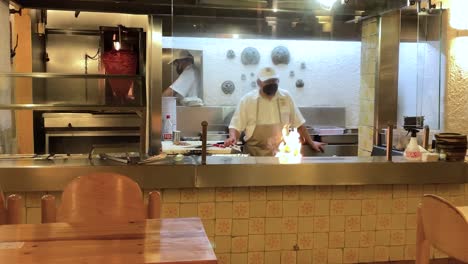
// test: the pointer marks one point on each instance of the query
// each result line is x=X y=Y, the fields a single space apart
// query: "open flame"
x=289 y=151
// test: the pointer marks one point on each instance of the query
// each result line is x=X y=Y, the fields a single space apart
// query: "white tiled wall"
x=331 y=76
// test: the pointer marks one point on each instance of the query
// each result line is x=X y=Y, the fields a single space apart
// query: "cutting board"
x=169 y=148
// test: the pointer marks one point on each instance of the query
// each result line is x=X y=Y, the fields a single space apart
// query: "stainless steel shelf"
x=69 y=75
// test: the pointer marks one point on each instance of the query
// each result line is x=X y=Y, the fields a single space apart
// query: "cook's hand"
x=230 y=141
x=317 y=146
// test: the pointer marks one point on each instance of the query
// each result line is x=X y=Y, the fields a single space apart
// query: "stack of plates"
x=453 y=144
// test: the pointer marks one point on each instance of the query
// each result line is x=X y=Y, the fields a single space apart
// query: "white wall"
x=331 y=77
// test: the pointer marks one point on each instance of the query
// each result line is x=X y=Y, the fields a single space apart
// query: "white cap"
x=181 y=54
x=267 y=73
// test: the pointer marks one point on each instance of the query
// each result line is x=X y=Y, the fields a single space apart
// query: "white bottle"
x=412 y=151
x=167 y=129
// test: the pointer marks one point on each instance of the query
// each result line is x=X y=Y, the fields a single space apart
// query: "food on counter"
x=154 y=158
x=179 y=157
x=181 y=143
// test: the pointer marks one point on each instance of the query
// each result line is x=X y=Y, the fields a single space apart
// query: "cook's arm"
x=168 y=92
x=305 y=138
x=234 y=135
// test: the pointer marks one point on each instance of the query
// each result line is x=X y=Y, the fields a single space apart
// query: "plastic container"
x=167 y=129
x=412 y=151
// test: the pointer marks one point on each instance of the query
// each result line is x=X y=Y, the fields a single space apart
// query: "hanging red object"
x=120 y=62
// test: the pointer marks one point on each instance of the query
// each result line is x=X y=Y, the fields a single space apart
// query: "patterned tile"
x=274 y=209
x=288 y=257
x=305 y=240
x=306 y=208
x=170 y=210
x=223 y=227
x=367 y=239
x=336 y=240
x=257 y=193
x=381 y=254
x=256 y=225
x=240 y=209
x=256 y=258
x=272 y=242
x=335 y=256
x=350 y=255
x=288 y=241
x=289 y=225
x=290 y=193
x=320 y=256
x=189 y=195
x=206 y=210
x=321 y=224
x=353 y=223
x=223 y=194
x=239 y=244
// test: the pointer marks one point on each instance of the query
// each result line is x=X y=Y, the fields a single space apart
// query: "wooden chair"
x=10 y=212
x=101 y=198
x=443 y=226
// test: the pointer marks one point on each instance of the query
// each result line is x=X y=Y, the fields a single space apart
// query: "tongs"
x=125 y=160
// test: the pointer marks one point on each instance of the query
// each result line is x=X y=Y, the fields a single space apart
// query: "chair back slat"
x=3 y=211
x=48 y=209
x=101 y=198
x=14 y=209
x=154 y=205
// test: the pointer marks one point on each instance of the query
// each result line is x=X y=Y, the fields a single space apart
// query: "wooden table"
x=180 y=240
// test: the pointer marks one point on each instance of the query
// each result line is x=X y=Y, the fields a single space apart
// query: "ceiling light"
x=326 y=4
x=275 y=10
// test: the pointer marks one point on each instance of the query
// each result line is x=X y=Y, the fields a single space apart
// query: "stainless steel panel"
x=75 y=120
x=154 y=81
x=221 y=171
x=324 y=116
x=386 y=102
x=332 y=150
x=27 y=174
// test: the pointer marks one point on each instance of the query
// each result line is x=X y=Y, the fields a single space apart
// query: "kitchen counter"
x=29 y=174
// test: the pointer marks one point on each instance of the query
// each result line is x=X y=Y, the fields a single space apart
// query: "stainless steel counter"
x=225 y=171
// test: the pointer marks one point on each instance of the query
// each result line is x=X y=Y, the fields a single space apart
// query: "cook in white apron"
x=265 y=139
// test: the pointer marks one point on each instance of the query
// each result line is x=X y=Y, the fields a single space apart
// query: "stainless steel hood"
x=218 y=8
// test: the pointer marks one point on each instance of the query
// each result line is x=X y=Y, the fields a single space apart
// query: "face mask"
x=179 y=70
x=270 y=89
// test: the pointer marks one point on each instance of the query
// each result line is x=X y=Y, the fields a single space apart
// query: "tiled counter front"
x=327 y=224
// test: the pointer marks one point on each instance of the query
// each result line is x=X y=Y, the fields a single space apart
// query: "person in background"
x=187 y=85
x=263 y=113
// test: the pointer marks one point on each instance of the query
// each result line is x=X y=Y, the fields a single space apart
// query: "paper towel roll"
x=169 y=107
